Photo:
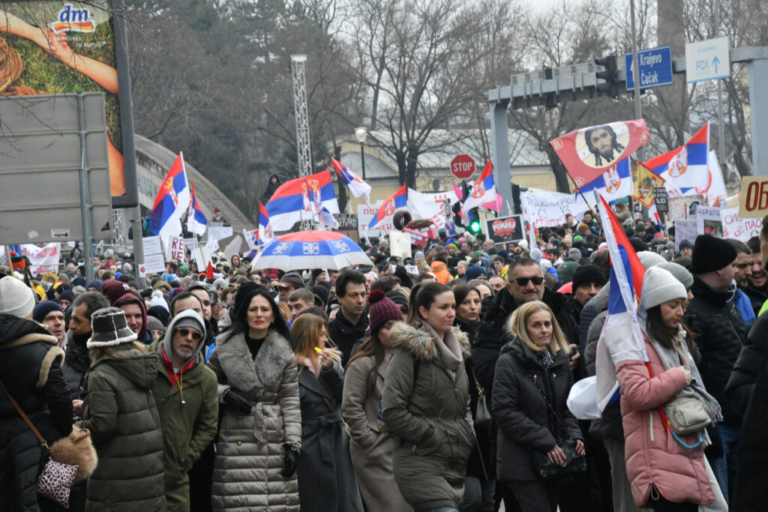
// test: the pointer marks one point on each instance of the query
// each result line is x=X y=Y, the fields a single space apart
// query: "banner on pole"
x=153 y=264
x=42 y=259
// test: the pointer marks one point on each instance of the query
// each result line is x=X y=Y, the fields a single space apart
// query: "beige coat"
x=251 y=449
x=371 y=449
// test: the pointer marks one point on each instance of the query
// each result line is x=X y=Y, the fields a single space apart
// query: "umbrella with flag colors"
x=311 y=249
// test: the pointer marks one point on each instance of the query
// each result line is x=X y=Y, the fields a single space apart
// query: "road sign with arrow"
x=707 y=60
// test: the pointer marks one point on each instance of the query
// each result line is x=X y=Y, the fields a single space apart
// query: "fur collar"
x=249 y=376
x=420 y=343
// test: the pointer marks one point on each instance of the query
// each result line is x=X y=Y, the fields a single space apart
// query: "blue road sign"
x=655 y=68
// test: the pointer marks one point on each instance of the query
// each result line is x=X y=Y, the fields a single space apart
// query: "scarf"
x=449 y=349
x=681 y=356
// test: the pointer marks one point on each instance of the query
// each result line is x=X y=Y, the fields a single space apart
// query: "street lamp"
x=361 y=133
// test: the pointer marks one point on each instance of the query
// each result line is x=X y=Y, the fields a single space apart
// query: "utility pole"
x=720 y=127
x=301 y=108
x=636 y=75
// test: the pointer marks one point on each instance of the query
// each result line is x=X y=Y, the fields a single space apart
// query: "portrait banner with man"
x=594 y=152
x=58 y=47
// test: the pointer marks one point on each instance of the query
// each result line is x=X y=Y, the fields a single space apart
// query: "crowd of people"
x=433 y=383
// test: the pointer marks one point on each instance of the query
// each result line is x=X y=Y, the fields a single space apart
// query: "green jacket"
x=188 y=429
x=121 y=415
x=430 y=418
x=566 y=269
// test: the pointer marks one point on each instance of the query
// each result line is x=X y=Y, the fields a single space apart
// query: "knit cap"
x=16 y=298
x=43 y=309
x=650 y=259
x=154 y=324
x=398 y=298
x=574 y=254
x=710 y=254
x=660 y=286
x=586 y=274
x=680 y=272
x=382 y=310
x=473 y=272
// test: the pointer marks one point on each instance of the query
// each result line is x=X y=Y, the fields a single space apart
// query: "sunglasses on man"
x=523 y=281
x=197 y=336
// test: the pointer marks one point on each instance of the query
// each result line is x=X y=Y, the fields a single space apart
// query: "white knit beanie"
x=660 y=286
x=16 y=298
x=650 y=259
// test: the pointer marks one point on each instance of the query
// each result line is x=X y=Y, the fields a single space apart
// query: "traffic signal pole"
x=636 y=74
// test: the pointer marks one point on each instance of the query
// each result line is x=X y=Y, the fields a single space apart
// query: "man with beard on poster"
x=603 y=144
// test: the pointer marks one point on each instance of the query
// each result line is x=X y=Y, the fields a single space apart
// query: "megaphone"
x=401 y=219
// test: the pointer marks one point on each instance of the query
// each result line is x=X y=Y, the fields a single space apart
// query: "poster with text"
x=505 y=229
x=685 y=229
x=708 y=221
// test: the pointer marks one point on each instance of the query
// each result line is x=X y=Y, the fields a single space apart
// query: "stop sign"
x=463 y=166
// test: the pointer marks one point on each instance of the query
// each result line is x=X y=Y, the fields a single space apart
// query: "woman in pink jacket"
x=664 y=474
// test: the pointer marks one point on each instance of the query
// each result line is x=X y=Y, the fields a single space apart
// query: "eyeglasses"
x=197 y=336
x=523 y=281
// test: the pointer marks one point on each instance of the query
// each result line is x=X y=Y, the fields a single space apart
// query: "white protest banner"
x=153 y=264
x=42 y=259
x=400 y=244
x=431 y=206
x=175 y=249
x=201 y=257
x=708 y=221
x=738 y=228
x=252 y=239
x=685 y=229
x=152 y=245
x=364 y=216
x=549 y=208
x=219 y=232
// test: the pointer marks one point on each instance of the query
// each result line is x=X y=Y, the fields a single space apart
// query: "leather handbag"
x=482 y=415
x=687 y=415
x=74 y=451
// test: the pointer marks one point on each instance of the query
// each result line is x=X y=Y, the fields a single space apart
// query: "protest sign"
x=364 y=216
x=549 y=209
x=252 y=239
x=175 y=249
x=431 y=206
x=219 y=232
x=708 y=221
x=153 y=264
x=201 y=257
x=736 y=227
x=685 y=229
x=42 y=259
x=152 y=245
x=400 y=244
x=505 y=229
x=679 y=207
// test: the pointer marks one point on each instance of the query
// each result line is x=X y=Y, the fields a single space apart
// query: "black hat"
x=685 y=244
x=586 y=274
x=109 y=328
x=710 y=254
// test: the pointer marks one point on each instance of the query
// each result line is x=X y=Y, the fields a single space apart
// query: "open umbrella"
x=311 y=249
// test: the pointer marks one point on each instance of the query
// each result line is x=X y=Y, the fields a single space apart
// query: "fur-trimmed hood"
x=420 y=343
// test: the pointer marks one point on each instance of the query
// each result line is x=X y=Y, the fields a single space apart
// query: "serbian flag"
x=613 y=184
x=686 y=168
x=645 y=180
x=358 y=187
x=299 y=199
x=196 y=223
x=483 y=191
x=395 y=202
x=265 y=230
x=621 y=338
x=590 y=152
x=172 y=202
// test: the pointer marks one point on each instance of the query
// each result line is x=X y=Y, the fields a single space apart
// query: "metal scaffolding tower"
x=118 y=229
x=301 y=107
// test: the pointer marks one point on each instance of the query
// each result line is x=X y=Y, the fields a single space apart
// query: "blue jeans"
x=731 y=437
x=478 y=497
x=720 y=469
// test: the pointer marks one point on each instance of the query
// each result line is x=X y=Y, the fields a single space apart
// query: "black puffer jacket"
x=30 y=368
x=521 y=411
x=721 y=334
x=742 y=381
x=757 y=297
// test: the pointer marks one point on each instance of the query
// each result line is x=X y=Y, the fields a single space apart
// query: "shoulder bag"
x=482 y=415
x=574 y=463
x=71 y=459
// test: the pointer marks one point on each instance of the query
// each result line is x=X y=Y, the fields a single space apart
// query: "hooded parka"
x=121 y=414
x=251 y=451
x=30 y=368
x=430 y=417
x=190 y=427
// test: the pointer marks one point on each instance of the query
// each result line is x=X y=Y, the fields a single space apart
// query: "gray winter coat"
x=430 y=417
x=371 y=449
x=326 y=477
x=251 y=449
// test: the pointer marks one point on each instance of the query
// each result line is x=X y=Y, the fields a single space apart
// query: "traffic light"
x=611 y=85
x=474 y=225
x=456 y=209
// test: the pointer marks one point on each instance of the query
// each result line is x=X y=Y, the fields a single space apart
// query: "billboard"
x=59 y=47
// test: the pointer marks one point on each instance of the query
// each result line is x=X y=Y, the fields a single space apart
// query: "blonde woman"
x=530 y=389
x=326 y=476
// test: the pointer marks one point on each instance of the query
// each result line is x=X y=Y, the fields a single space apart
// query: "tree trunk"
x=411 y=162
x=561 y=175
x=402 y=169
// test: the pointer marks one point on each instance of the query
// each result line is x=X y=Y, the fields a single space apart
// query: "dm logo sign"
x=73 y=20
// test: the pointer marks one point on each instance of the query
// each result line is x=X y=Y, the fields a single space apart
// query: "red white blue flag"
x=358 y=187
x=301 y=199
x=196 y=223
x=265 y=230
x=685 y=169
x=172 y=202
x=395 y=202
x=483 y=191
